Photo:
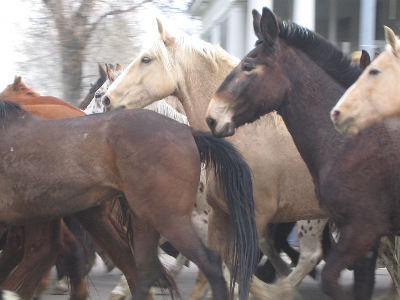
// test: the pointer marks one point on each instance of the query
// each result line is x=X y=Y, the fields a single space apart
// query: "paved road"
x=101 y=284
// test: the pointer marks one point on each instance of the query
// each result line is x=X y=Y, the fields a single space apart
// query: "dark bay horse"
x=300 y=75
x=53 y=168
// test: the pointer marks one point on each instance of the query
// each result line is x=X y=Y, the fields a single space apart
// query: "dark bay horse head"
x=94 y=88
x=265 y=76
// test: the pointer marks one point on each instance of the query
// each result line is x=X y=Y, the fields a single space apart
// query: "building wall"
x=350 y=24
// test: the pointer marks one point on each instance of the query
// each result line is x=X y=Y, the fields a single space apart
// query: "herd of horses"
x=281 y=161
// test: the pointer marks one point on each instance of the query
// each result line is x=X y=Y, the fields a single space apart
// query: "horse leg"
x=72 y=257
x=268 y=248
x=145 y=247
x=352 y=245
x=121 y=290
x=364 y=275
x=42 y=245
x=98 y=222
x=218 y=239
x=388 y=248
x=310 y=237
x=12 y=253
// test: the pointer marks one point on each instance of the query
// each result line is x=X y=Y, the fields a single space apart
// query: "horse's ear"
x=17 y=83
x=165 y=36
x=118 y=68
x=365 y=59
x=102 y=72
x=256 y=23
x=109 y=72
x=376 y=55
x=392 y=40
x=269 y=27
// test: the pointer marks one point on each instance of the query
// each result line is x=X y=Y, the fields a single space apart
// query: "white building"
x=350 y=24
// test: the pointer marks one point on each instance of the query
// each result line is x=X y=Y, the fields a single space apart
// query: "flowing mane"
x=189 y=46
x=321 y=51
x=10 y=109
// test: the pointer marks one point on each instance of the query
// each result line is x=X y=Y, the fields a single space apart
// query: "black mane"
x=8 y=108
x=321 y=51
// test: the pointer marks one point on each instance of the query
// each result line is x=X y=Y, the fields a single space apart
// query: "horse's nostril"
x=211 y=123
x=106 y=101
x=335 y=115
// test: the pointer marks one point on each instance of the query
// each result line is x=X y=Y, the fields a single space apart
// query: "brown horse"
x=301 y=75
x=374 y=96
x=40 y=237
x=153 y=160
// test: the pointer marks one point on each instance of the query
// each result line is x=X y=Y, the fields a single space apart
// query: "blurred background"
x=57 y=45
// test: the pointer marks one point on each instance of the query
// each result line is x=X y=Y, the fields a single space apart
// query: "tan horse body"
x=374 y=97
x=283 y=189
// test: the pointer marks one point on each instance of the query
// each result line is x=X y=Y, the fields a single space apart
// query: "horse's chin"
x=347 y=126
x=227 y=130
x=115 y=108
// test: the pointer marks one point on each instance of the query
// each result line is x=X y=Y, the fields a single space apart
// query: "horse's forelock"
x=190 y=46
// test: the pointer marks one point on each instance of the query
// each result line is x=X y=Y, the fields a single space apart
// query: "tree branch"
x=115 y=12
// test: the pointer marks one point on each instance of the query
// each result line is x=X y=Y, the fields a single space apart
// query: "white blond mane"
x=163 y=108
x=190 y=46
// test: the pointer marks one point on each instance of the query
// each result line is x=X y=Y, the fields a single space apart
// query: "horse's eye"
x=258 y=42
x=146 y=60
x=97 y=96
x=374 y=71
x=247 y=67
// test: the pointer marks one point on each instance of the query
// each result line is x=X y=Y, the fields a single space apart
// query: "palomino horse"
x=301 y=75
x=374 y=96
x=153 y=160
x=191 y=70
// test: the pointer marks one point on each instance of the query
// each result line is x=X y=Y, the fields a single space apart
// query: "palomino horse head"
x=373 y=97
x=148 y=77
x=162 y=70
x=96 y=106
x=18 y=89
x=236 y=102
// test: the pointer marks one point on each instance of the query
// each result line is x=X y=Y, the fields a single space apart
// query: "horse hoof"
x=116 y=297
x=59 y=290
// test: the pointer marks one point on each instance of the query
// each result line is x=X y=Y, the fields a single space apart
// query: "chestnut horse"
x=150 y=159
x=300 y=75
x=191 y=70
x=374 y=96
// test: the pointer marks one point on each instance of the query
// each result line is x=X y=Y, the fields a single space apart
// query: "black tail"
x=234 y=176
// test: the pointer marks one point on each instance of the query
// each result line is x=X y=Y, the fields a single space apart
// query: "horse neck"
x=197 y=86
x=306 y=110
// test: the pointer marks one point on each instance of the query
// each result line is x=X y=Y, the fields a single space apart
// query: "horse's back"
x=47 y=107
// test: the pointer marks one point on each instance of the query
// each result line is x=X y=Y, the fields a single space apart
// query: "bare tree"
x=74 y=29
x=66 y=40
